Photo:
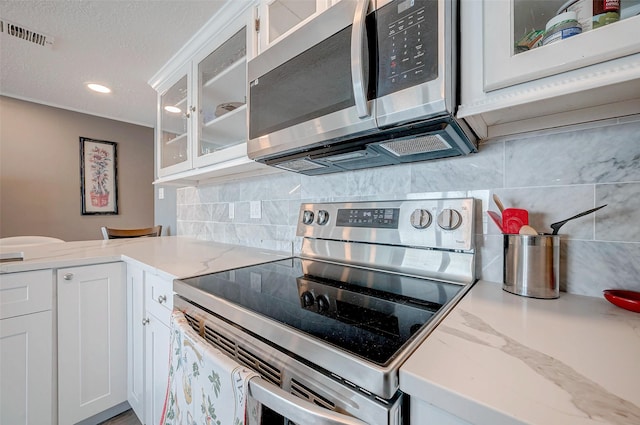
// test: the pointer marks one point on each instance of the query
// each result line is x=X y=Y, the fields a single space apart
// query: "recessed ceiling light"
x=99 y=88
x=173 y=109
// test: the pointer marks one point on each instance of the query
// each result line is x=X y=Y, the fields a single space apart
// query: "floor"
x=124 y=418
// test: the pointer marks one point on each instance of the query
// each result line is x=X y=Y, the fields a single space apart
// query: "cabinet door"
x=92 y=356
x=157 y=368
x=507 y=21
x=280 y=17
x=174 y=119
x=222 y=98
x=26 y=376
x=135 y=340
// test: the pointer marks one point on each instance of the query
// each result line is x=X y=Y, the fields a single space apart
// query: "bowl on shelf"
x=629 y=300
x=223 y=108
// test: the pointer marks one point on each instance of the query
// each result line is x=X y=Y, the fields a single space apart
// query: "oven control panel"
x=427 y=223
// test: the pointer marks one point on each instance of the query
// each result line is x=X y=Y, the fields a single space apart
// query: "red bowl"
x=629 y=300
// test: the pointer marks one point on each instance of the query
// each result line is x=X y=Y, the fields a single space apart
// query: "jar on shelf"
x=605 y=12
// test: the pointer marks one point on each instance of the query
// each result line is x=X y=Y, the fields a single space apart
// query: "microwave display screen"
x=408 y=44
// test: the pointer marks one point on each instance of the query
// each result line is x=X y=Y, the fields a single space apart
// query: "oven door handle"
x=294 y=408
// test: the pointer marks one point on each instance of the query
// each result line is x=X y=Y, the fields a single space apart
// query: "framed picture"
x=98 y=176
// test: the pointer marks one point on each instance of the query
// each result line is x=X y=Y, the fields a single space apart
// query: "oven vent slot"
x=306 y=393
x=240 y=354
x=192 y=322
x=219 y=341
x=266 y=370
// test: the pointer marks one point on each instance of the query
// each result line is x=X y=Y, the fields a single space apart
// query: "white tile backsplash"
x=553 y=175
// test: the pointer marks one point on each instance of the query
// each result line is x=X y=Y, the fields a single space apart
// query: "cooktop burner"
x=368 y=313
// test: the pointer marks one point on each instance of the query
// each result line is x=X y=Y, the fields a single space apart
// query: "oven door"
x=313 y=85
x=290 y=391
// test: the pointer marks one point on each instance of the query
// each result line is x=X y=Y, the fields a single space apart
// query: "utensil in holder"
x=531 y=265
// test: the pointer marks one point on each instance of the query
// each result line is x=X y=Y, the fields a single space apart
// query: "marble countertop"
x=499 y=358
x=496 y=358
x=169 y=256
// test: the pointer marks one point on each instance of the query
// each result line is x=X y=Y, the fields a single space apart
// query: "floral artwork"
x=98 y=176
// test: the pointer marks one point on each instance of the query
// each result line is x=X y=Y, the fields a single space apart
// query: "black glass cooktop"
x=371 y=314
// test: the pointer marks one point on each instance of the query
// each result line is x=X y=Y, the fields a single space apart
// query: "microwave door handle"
x=357 y=65
x=294 y=408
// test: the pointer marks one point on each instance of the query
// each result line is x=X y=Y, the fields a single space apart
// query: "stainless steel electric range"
x=329 y=329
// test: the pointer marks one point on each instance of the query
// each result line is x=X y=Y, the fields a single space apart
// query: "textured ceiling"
x=118 y=43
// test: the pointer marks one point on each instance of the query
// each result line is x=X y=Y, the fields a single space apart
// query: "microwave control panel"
x=407 y=44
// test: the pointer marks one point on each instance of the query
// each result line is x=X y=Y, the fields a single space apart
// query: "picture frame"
x=98 y=176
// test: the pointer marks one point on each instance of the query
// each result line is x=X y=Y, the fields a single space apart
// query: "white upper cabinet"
x=202 y=113
x=278 y=18
x=508 y=88
x=222 y=100
x=173 y=123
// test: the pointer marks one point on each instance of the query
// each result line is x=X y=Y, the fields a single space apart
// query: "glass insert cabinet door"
x=525 y=40
x=286 y=14
x=174 y=122
x=222 y=110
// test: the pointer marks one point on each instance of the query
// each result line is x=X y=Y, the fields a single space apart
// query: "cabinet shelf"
x=225 y=130
x=232 y=76
x=179 y=138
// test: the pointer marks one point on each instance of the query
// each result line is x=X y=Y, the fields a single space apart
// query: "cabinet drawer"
x=159 y=296
x=24 y=293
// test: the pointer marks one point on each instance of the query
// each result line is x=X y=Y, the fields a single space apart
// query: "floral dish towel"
x=205 y=386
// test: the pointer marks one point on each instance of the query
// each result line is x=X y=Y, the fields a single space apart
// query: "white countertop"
x=496 y=358
x=171 y=256
x=499 y=358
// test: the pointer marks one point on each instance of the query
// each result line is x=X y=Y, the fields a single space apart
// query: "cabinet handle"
x=162 y=298
x=145 y=321
x=68 y=276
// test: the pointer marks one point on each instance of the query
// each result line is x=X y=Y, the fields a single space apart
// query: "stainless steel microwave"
x=366 y=83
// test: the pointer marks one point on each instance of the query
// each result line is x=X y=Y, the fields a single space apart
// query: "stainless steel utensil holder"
x=531 y=265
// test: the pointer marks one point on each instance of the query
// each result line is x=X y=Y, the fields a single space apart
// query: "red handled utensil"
x=513 y=219
x=496 y=219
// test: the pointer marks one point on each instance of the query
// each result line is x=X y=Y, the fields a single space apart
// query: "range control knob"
x=420 y=219
x=323 y=217
x=307 y=299
x=449 y=219
x=322 y=302
x=307 y=217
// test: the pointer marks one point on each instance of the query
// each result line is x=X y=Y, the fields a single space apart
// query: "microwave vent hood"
x=439 y=138
x=363 y=84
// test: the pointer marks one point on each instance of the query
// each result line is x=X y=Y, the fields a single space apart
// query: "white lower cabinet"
x=157 y=368
x=92 y=335
x=26 y=348
x=135 y=339
x=149 y=305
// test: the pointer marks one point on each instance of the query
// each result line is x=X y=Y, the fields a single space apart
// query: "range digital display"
x=377 y=218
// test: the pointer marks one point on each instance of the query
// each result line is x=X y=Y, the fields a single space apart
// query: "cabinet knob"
x=162 y=298
x=145 y=321
x=67 y=276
